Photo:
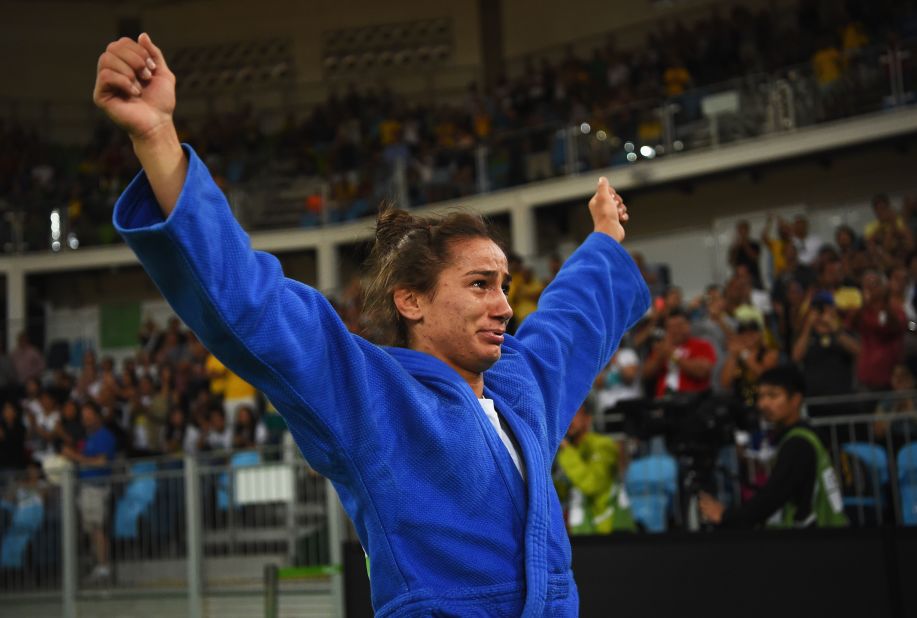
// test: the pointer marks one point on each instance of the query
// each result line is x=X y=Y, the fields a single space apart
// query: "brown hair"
x=409 y=252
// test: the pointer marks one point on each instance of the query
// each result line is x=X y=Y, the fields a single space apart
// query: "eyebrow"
x=490 y=273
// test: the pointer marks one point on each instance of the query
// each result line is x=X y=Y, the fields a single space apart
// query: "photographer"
x=827 y=354
x=587 y=468
x=802 y=490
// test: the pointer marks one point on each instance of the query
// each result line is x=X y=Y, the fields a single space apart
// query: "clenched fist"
x=135 y=87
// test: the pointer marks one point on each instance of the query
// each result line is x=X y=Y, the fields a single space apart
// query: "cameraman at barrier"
x=802 y=490
x=586 y=476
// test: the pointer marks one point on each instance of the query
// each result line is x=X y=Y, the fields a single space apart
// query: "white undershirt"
x=491 y=412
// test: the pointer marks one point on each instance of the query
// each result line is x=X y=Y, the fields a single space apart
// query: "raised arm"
x=136 y=89
x=597 y=295
x=278 y=334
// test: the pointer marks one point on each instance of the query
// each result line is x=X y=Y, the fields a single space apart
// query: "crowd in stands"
x=843 y=310
x=171 y=398
x=355 y=139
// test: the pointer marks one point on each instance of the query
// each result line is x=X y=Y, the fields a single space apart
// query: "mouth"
x=494 y=336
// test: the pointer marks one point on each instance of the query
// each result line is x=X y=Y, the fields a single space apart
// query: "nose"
x=502 y=309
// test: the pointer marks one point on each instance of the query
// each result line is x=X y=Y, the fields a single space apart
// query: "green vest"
x=827 y=501
x=596 y=503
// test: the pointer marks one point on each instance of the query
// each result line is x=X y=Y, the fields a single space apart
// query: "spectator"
x=179 y=436
x=802 y=490
x=9 y=383
x=42 y=422
x=69 y=432
x=844 y=292
x=794 y=270
x=746 y=252
x=620 y=381
x=888 y=230
x=89 y=383
x=218 y=434
x=827 y=354
x=248 y=432
x=806 y=244
x=27 y=359
x=748 y=357
x=588 y=467
x=679 y=362
x=93 y=458
x=775 y=245
x=524 y=291
x=847 y=243
x=881 y=327
x=13 y=455
x=903 y=430
x=236 y=391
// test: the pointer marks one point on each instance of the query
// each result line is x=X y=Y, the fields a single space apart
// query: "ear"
x=407 y=302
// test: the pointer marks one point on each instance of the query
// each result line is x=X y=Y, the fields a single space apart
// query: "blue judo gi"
x=450 y=527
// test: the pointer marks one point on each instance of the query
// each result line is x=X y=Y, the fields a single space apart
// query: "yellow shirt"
x=676 y=80
x=827 y=65
x=775 y=246
x=229 y=384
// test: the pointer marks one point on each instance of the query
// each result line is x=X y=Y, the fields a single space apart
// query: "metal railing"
x=194 y=527
x=873 y=452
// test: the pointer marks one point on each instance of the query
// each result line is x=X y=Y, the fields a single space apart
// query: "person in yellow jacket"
x=586 y=479
x=235 y=391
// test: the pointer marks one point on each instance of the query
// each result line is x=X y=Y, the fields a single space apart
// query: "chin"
x=486 y=361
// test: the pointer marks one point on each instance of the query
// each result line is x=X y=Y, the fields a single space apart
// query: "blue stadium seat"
x=651 y=486
x=875 y=464
x=242 y=459
x=907 y=482
x=652 y=474
x=907 y=465
x=27 y=519
x=872 y=455
x=137 y=500
x=651 y=510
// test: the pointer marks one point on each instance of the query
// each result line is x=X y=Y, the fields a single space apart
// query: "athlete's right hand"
x=135 y=88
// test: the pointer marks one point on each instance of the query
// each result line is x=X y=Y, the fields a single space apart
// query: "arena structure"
x=733 y=130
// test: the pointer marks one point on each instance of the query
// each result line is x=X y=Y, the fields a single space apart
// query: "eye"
x=479 y=283
x=505 y=289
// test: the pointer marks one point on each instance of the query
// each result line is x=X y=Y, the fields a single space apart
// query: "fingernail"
x=150 y=64
x=136 y=90
x=145 y=73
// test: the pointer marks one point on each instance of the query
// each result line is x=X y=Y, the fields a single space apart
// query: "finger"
x=116 y=64
x=130 y=53
x=114 y=82
x=156 y=56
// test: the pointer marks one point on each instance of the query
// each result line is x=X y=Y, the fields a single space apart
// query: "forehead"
x=476 y=254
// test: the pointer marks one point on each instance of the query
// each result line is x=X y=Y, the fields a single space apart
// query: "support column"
x=335 y=515
x=522 y=229
x=194 y=535
x=15 y=305
x=69 y=540
x=490 y=18
x=328 y=267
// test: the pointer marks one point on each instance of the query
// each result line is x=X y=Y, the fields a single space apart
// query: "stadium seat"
x=137 y=500
x=651 y=510
x=872 y=455
x=652 y=474
x=907 y=482
x=27 y=519
x=651 y=486
x=243 y=459
x=907 y=465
